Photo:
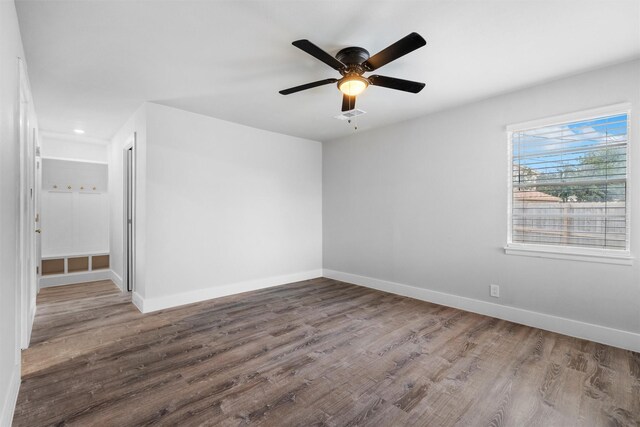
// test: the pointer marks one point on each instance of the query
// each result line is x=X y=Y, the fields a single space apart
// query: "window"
x=569 y=185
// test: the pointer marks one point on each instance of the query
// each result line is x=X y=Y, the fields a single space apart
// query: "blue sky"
x=616 y=125
x=540 y=143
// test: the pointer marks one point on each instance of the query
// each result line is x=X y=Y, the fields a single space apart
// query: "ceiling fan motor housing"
x=353 y=57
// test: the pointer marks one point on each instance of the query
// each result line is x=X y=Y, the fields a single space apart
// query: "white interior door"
x=27 y=249
x=129 y=197
x=38 y=213
x=129 y=215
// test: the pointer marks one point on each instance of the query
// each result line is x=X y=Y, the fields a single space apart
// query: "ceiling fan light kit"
x=352 y=85
x=353 y=62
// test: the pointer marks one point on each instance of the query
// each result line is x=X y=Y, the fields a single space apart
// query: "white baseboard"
x=601 y=334
x=73 y=278
x=32 y=317
x=9 y=404
x=115 y=278
x=138 y=301
x=147 y=305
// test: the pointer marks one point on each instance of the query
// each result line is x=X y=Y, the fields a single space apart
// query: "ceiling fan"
x=353 y=62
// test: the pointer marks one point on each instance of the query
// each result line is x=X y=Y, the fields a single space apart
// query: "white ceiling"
x=92 y=63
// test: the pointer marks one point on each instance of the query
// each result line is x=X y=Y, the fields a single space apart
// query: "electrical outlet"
x=495 y=291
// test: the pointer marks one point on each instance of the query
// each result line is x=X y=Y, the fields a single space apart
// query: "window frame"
x=576 y=253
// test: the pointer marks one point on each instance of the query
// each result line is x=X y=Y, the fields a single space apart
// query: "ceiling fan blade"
x=400 y=48
x=318 y=53
x=398 y=84
x=307 y=86
x=348 y=102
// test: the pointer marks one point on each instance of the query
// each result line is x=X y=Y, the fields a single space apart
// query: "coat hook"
x=69 y=187
x=82 y=188
x=55 y=186
x=94 y=188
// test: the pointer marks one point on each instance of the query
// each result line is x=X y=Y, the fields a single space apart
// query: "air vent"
x=350 y=114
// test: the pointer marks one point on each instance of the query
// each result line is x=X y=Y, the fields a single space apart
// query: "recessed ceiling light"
x=78 y=131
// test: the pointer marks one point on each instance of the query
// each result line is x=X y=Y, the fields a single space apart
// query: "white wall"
x=227 y=207
x=59 y=146
x=10 y=50
x=424 y=203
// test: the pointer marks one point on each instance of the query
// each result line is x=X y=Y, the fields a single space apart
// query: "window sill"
x=572 y=254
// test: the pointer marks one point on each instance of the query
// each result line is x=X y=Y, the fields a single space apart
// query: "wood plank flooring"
x=318 y=352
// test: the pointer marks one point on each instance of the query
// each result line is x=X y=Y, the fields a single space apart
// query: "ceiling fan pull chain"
x=351 y=107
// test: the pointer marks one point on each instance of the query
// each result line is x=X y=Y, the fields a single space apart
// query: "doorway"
x=129 y=214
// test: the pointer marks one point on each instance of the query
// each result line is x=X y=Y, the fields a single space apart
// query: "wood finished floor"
x=318 y=352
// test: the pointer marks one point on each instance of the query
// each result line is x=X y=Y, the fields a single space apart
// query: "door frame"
x=128 y=259
x=27 y=264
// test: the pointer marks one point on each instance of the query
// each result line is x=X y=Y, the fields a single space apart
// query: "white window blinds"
x=569 y=184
